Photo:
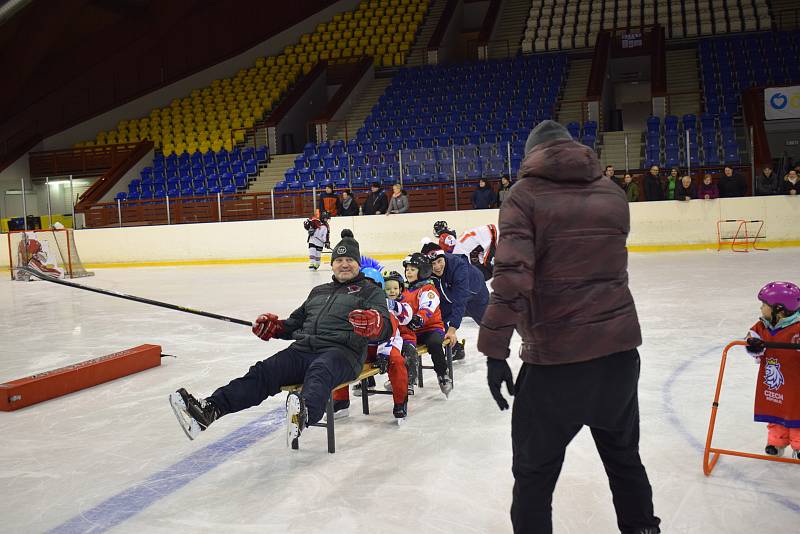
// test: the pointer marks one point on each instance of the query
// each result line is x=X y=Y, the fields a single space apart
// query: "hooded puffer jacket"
x=561 y=267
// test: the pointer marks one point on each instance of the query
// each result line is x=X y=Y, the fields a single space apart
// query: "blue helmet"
x=374 y=275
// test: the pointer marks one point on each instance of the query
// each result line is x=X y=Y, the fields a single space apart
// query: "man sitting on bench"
x=331 y=330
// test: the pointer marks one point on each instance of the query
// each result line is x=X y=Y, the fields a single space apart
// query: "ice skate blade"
x=292 y=419
x=189 y=426
x=400 y=421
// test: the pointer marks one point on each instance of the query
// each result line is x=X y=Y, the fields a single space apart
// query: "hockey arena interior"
x=436 y=266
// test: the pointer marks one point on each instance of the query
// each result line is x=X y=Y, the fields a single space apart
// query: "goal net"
x=51 y=252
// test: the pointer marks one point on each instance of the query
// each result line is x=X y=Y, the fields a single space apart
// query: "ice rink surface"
x=113 y=458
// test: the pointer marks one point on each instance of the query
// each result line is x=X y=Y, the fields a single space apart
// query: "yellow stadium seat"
x=402 y=27
x=337 y=36
x=392 y=48
x=291 y=60
x=352 y=43
x=396 y=19
x=386 y=39
x=380 y=50
x=347 y=52
x=380 y=30
x=369 y=51
x=341 y=45
x=408 y=18
x=418 y=17
x=375 y=40
x=363 y=23
x=325 y=55
x=319 y=47
x=228 y=144
x=347 y=34
x=362 y=42
x=316 y=37
x=280 y=60
x=387 y=60
x=379 y=13
x=305 y=38
x=398 y=38
x=341 y=26
x=405 y=47
x=313 y=57
x=358 y=33
x=337 y=17
x=336 y=54
x=330 y=45
x=399 y=10
x=309 y=47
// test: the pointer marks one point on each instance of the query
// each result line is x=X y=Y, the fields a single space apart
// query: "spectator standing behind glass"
x=609 y=173
x=708 y=189
x=652 y=185
x=349 y=204
x=767 y=183
x=376 y=202
x=483 y=197
x=329 y=201
x=791 y=184
x=730 y=184
x=399 y=201
x=685 y=190
x=505 y=189
x=671 y=184
x=630 y=187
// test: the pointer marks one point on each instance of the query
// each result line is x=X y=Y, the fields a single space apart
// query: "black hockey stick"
x=210 y=315
x=770 y=345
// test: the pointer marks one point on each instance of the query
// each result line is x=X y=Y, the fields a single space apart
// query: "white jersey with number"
x=482 y=236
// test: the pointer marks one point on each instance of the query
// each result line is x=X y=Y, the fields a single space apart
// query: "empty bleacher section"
x=480 y=112
x=197 y=174
x=730 y=65
x=683 y=83
x=218 y=116
x=567 y=24
x=713 y=143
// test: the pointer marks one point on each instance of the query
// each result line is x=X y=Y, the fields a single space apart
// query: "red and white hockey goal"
x=50 y=251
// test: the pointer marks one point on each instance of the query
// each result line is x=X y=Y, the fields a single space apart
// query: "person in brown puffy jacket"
x=561 y=280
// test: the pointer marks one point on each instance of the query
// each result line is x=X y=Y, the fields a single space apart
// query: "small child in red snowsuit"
x=777 y=400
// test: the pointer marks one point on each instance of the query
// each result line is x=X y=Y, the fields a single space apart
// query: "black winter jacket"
x=321 y=322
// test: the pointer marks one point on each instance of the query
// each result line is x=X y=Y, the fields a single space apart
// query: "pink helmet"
x=783 y=294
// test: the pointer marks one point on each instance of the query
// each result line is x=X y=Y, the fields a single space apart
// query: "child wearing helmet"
x=318 y=238
x=386 y=354
x=426 y=325
x=395 y=285
x=777 y=400
x=447 y=237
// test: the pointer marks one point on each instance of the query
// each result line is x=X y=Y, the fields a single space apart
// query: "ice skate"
x=370 y=384
x=400 y=411
x=296 y=417
x=772 y=450
x=193 y=415
x=446 y=385
x=458 y=351
x=312 y=267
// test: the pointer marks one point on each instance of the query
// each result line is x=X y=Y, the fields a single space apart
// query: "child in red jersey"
x=777 y=400
x=427 y=322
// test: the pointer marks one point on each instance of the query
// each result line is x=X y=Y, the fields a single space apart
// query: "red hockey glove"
x=366 y=323
x=268 y=326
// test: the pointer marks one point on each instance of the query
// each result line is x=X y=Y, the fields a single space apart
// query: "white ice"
x=113 y=457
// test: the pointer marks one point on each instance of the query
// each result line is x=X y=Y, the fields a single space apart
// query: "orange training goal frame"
x=711 y=454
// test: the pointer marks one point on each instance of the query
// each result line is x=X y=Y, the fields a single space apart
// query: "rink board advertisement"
x=782 y=102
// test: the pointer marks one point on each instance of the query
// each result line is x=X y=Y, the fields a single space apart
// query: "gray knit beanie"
x=546 y=131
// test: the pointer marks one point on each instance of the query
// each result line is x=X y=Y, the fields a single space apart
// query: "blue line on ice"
x=164 y=483
x=666 y=399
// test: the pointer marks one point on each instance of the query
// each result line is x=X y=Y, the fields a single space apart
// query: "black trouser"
x=318 y=372
x=551 y=404
x=433 y=340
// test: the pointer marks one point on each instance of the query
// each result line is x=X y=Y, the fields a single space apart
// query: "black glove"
x=382 y=362
x=756 y=346
x=498 y=372
x=416 y=322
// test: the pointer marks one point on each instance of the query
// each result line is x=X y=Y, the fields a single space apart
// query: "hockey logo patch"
x=773 y=377
x=353 y=289
x=341 y=250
